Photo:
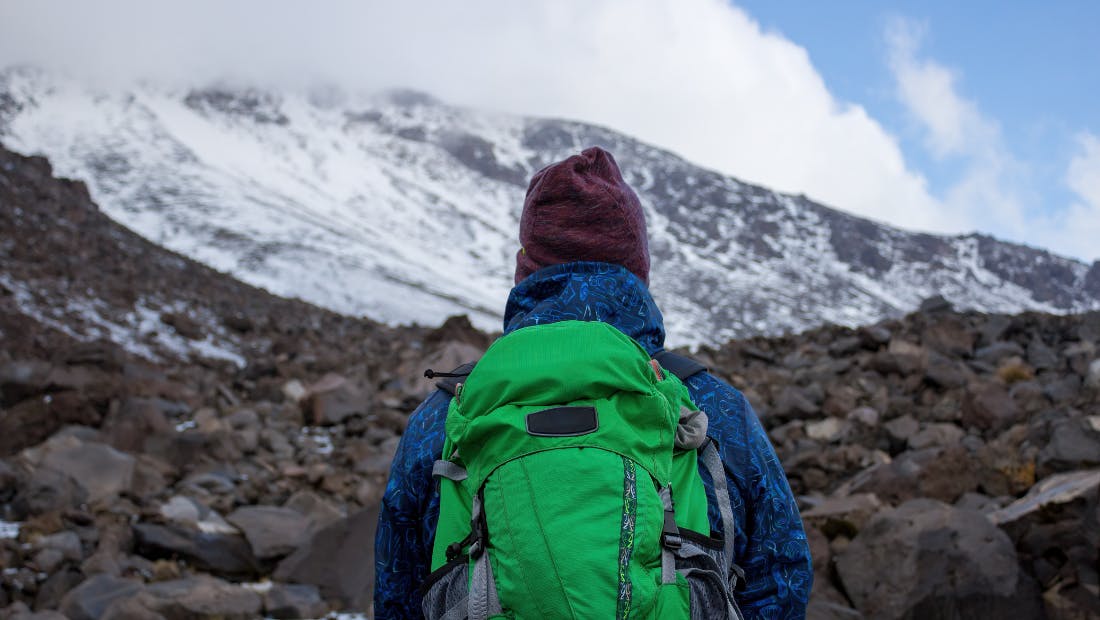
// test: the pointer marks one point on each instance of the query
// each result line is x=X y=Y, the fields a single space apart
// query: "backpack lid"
x=560 y=365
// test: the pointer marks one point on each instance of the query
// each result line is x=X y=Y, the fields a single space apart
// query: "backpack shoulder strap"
x=680 y=365
x=448 y=381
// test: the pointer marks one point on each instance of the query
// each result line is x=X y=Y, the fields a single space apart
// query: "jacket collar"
x=587 y=291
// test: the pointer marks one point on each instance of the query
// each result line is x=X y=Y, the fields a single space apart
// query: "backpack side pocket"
x=446 y=590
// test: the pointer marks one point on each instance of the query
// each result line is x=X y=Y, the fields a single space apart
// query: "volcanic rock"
x=939 y=434
x=202 y=598
x=129 y=426
x=98 y=468
x=994 y=353
x=333 y=399
x=926 y=559
x=271 y=531
x=90 y=600
x=47 y=491
x=843 y=515
x=338 y=559
x=293 y=601
x=1074 y=444
x=220 y=554
x=988 y=406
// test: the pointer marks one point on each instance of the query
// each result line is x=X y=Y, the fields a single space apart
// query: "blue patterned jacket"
x=770 y=544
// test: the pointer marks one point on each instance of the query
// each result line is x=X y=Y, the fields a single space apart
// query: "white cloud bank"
x=1083 y=178
x=994 y=190
x=699 y=77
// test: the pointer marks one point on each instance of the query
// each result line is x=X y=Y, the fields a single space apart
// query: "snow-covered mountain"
x=405 y=209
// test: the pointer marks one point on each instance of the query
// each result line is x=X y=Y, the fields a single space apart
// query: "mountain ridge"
x=405 y=209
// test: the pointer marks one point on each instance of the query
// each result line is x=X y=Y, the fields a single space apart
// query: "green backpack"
x=570 y=487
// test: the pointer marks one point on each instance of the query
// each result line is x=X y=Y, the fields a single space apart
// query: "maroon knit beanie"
x=580 y=209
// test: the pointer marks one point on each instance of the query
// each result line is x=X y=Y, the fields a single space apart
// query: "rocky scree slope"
x=947 y=464
x=177 y=444
x=403 y=208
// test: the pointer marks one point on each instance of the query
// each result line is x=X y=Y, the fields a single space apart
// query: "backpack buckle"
x=670 y=533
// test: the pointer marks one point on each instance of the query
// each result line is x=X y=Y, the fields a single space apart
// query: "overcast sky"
x=884 y=110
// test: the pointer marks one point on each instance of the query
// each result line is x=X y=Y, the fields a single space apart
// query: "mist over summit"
x=403 y=208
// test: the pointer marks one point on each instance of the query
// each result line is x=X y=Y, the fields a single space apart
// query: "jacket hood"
x=587 y=291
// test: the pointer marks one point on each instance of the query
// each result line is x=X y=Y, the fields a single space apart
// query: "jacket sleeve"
x=770 y=542
x=406 y=522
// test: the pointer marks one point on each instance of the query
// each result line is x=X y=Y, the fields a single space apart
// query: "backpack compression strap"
x=680 y=365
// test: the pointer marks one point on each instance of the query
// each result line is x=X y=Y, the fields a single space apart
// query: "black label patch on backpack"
x=563 y=422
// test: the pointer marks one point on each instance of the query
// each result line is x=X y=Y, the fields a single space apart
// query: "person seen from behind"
x=578 y=470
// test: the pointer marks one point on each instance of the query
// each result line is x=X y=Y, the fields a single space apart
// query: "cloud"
x=953 y=124
x=699 y=77
x=994 y=190
x=1083 y=216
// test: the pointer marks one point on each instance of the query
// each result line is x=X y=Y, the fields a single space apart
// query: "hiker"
x=582 y=273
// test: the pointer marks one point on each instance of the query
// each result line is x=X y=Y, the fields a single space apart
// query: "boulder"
x=828 y=430
x=1056 y=527
x=926 y=559
x=1063 y=389
x=136 y=607
x=271 y=531
x=221 y=554
x=89 y=600
x=98 y=468
x=874 y=336
x=22 y=378
x=53 y=590
x=181 y=510
x=1074 y=444
x=843 y=515
x=293 y=601
x=794 y=402
x=1052 y=491
x=129 y=426
x=338 y=559
x=202 y=598
x=334 y=399
x=935 y=304
x=56 y=548
x=845 y=346
x=899 y=430
x=945 y=372
x=903 y=357
x=994 y=353
x=949 y=336
x=988 y=406
x=940 y=473
x=1042 y=357
x=939 y=434
x=48 y=491
x=1092 y=377
x=867 y=416
x=318 y=510
x=35 y=419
